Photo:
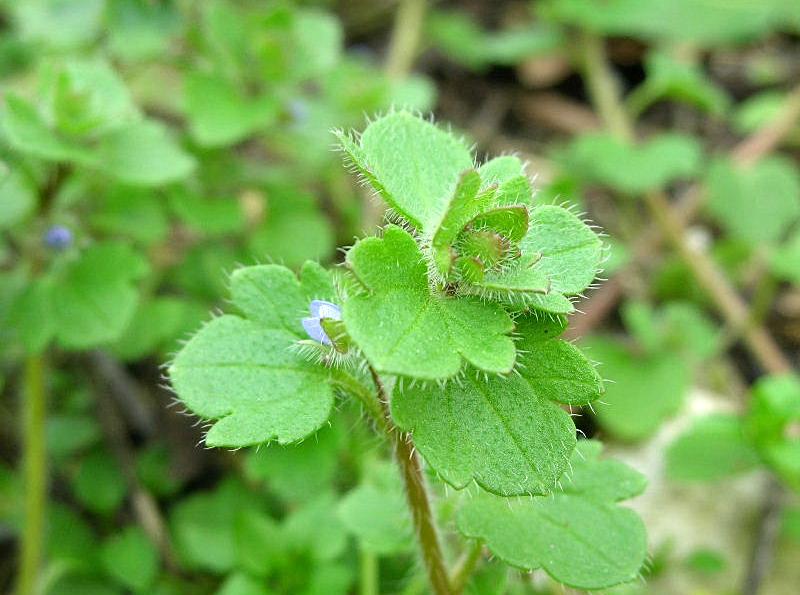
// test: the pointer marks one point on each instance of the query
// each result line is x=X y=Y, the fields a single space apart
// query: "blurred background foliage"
x=148 y=147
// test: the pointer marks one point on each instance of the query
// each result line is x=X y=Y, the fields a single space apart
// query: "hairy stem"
x=406 y=33
x=34 y=405
x=417 y=496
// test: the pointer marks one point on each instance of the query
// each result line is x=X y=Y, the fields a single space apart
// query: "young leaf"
x=571 y=252
x=412 y=164
x=513 y=284
x=404 y=328
x=243 y=372
x=463 y=206
x=579 y=536
x=501 y=433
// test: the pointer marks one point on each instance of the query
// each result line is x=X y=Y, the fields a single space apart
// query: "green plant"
x=446 y=328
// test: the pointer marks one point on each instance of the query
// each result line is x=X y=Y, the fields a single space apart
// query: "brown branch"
x=417 y=496
x=603 y=301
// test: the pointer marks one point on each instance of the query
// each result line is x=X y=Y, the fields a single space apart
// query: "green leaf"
x=90 y=98
x=645 y=391
x=513 y=284
x=99 y=484
x=93 y=298
x=463 y=206
x=771 y=424
x=59 y=24
x=259 y=543
x=633 y=168
x=242 y=584
x=672 y=78
x=315 y=528
x=203 y=527
x=579 y=536
x=555 y=369
x=68 y=434
x=714 y=447
x=32 y=316
x=130 y=559
x=785 y=261
x=142 y=153
x=458 y=36
x=376 y=513
x=245 y=374
x=27 y=132
x=296 y=472
x=218 y=113
x=413 y=165
x=156 y=470
x=132 y=212
x=499 y=432
x=570 y=251
x=757 y=204
x=292 y=214
x=17 y=197
x=404 y=328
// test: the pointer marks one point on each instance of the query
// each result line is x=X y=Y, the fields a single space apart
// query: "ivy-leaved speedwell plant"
x=446 y=327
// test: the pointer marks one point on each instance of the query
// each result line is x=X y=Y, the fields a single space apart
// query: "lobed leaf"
x=404 y=328
x=412 y=164
x=578 y=536
x=503 y=434
x=571 y=251
x=242 y=372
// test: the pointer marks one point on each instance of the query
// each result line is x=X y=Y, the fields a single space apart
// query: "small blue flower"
x=58 y=237
x=299 y=110
x=313 y=325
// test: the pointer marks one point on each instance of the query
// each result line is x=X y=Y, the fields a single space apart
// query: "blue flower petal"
x=323 y=309
x=314 y=330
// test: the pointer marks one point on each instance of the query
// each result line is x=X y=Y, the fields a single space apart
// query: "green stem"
x=352 y=386
x=603 y=87
x=369 y=570
x=34 y=474
x=466 y=566
x=404 y=42
x=417 y=496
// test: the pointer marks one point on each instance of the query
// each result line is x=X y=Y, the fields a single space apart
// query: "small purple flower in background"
x=313 y=325
x=299 y=110
x=58 y=237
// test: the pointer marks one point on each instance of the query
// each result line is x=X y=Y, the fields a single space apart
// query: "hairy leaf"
x=579 y=536
x=555 y=369
x=503 y=434
x=571 y=251
x=244 y=373
x=404 y=328
x=411 y=163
